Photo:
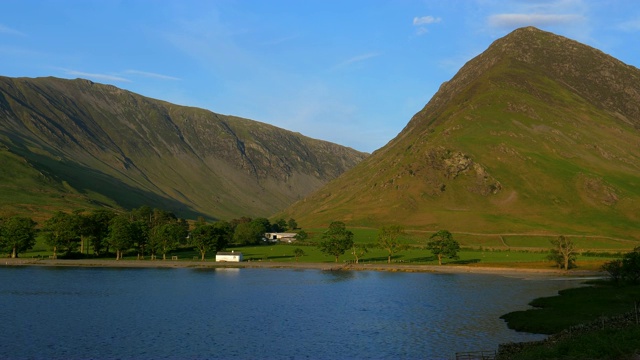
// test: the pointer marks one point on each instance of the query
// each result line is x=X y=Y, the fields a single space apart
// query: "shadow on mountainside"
x=87 y=181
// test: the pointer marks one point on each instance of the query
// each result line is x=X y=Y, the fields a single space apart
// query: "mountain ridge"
x=182 y=158
x=539 y=132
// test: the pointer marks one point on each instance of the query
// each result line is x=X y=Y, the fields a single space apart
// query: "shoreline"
x=442 y=269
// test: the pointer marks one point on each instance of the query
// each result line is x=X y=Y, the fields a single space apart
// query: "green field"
x=476 y=251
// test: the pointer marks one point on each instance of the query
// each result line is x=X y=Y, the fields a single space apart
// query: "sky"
x=352 y=72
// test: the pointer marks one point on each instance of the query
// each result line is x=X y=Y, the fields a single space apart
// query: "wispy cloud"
x=10 y=31
x=280 y=40
x=151 y=75
x=106 y=77
x=356 y=59
x=519 y=20
x=417 y=21
x=630 y=26
x=421 y=22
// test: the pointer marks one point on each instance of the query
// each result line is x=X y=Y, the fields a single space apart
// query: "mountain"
x=538 y=134
x=66 y=144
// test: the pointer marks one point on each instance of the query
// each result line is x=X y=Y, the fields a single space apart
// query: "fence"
x=476 y=355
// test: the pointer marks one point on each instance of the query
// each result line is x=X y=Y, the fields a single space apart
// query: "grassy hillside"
x=526 y=139
x=107 y=146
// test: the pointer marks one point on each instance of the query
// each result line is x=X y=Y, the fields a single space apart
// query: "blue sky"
x=348 y=71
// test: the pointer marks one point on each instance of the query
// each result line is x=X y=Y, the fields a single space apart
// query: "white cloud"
x=519 y=20
x=97 y=76
x=10 y=31
x=420 y=23
x=417 y=21
x=151 y=75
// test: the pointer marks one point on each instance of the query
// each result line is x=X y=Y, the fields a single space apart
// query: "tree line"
x=145 y=231
x=337 y=240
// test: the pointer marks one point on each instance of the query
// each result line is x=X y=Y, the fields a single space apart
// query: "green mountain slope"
x=98 y=145
x=538 y=134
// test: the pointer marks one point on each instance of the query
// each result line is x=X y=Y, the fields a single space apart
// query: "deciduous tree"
x=298 y=253
x=99 y=221
x=167 y=237
x=358 y=250
x=61 y=233
x=207 y=237
x=122 y=234
x=563 y=252
x=389 y=240
x=336 y=240
x=442 y=244
x=17 y=234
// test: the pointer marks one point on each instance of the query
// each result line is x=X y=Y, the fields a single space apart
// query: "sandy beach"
x=505 y=271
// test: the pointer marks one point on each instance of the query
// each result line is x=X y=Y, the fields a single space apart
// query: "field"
x=477 y=250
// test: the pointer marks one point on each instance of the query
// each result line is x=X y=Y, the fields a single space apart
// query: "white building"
x=274 y=237
x=229 y=256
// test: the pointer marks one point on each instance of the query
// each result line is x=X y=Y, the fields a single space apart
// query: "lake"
x=114 y=313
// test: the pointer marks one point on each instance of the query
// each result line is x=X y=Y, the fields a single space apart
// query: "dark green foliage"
x=248 y=233
x=166 y=237
x=17 y=234
x=336 y=240
x=279 y=225
x=302 y=235
x=607 y=344
x=209 y=237
x=573 y=307
x=442 y=244
x=98 y=222
x=61 y=233
x=292 y=224
x=122 y=234
x=626 y=269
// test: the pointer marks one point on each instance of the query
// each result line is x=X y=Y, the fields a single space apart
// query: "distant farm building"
x=275 y=237
x=229 y=256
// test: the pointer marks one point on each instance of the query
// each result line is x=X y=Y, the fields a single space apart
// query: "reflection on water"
x=256 y=313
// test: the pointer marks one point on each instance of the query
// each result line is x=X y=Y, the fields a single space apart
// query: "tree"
x=122 y=234
x=99 y=221
x=302 y=235
x=60 y=233
x=297 y=252
x=250 y=233
x=614 y=269
x=627 y=268
x=206 y=237
x=17 y=234
x=563 y=253
x=279 y=226
x=388 y=239
x=442 y=244
x=336 y=240
x=358 y=250
x=292 y=224
x=631 y=265
x=166 y=237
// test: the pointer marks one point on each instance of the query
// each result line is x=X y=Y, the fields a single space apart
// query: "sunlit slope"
x=539 y=134
x=111 y=147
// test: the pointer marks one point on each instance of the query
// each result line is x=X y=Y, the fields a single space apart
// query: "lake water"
x=107 y=313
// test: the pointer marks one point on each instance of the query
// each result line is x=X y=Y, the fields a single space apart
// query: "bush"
x=627 y=269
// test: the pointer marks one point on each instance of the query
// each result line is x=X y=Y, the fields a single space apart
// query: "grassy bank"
x=592 y=322
x=477 y=250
